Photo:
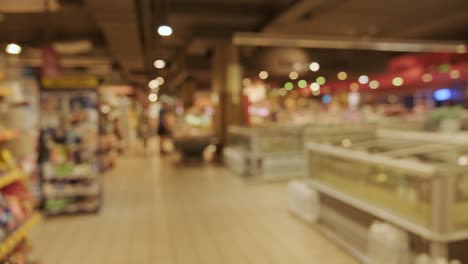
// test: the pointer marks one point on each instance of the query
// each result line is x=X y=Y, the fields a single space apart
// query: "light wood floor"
x=156 y=212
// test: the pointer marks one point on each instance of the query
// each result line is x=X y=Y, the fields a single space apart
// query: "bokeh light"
x=159 y=64
x=293 y=75
x=160 y=80
x=354 y=87
x=263 y=75
x=321 y=80
x=342 y=76
x=246 y=82
x=13 y=48
x=455 y=74
x=363 y=79
x=152 y=97
x=398 y=81
x=288 y=86
x=314 y=66
x=314 y=87
x=427 y=77
x=153 y=84
x=374 y=84
x=165 y=30
x=302 y=84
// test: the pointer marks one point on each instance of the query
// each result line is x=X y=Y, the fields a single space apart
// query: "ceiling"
x=124 y=30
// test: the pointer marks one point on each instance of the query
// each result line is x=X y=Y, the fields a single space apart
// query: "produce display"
x=69 y=152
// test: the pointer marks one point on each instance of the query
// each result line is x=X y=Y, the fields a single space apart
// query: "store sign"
x=50 y=62
x=70 y=82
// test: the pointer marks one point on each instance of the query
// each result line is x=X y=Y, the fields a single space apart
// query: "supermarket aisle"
x=159 y=213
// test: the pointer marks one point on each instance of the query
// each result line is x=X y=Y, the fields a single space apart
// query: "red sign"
x=50 y=62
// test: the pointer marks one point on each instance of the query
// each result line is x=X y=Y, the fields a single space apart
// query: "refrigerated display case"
x=413 y=180
x=269 y=153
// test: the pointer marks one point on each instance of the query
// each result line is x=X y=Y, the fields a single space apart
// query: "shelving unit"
x=8 y=134
x=8 y=245
x=70 y=158
x=18 y=156
x=11 y=177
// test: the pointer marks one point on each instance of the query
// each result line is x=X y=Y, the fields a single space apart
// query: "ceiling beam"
x=216 y=9
x=118 y=21
x=456 y=19
x=293 y=12
x=396 y=45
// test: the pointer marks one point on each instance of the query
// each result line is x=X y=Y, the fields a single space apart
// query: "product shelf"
x=11 y=177
x=11 y=242
x=8 y=134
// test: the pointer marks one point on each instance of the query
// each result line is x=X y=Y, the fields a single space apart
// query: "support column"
x=227 y=89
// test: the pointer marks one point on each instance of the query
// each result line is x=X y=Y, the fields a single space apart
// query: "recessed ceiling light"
x=13 y=48
x=263 y=75
x=159 y=64
x=160 y=80
x=165 y=30
x=152 y=97
x=153 y=84
x=314 y=66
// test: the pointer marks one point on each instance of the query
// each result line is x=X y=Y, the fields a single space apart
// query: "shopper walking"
x=144 y=129
x=164 y=130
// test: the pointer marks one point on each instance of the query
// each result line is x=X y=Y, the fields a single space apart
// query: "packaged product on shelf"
x=69 y=151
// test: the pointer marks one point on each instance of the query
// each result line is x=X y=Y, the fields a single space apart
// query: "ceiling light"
x=160 y=80
x=455 y=74
x=314 y=87
x=152 y=97
x=293 y=75
x=427 y=77
x=263 y=75
x=342 y=76
x=397 y=81
x=363 y=79
x=153 y=84
x=374 y=84
x=302 y=84
x=13 y=48
x=314 y=66
x=165 y=30
x=159 y=64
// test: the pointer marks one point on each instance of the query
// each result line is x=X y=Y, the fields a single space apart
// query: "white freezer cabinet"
x=420 y=187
